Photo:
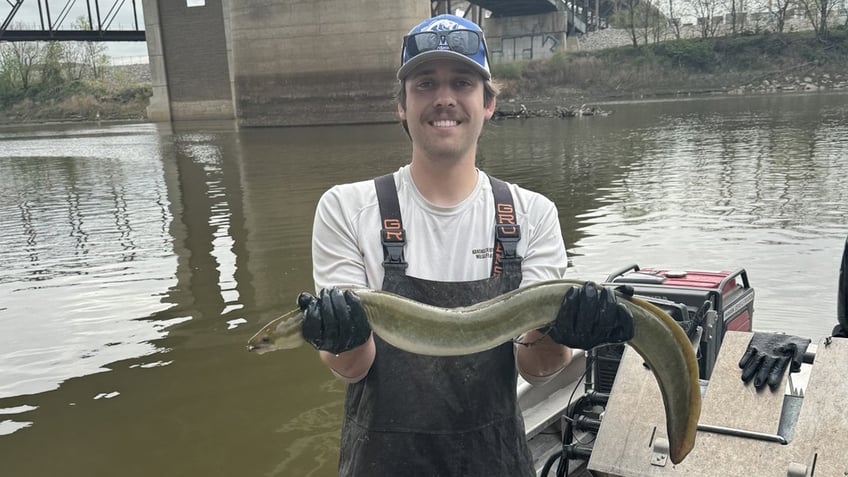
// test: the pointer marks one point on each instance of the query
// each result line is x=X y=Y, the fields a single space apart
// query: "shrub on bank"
x=76 y=101
x=51 y=89
x=683 y=66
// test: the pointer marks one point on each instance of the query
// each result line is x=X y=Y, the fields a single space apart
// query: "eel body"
x=435 y=331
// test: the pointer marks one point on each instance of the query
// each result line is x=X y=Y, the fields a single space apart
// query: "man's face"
x=444 y=109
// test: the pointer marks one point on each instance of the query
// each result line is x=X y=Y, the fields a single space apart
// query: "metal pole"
x=112 y=13
x=10 y=16
x=64 y=13
x=47 y=9
x=743 y=433
x=597 y=15
x=40 y=15
x=589 y=377
x=97 y=11
x=90 y=21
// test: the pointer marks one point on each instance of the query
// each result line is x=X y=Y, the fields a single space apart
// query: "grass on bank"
x=692 y=65
x=111 y=97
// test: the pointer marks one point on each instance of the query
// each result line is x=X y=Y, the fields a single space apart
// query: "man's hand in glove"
x=768 y=355
x=589 y=316
x=334 y=321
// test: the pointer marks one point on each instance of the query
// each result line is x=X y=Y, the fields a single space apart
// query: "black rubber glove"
x=589 y=316
x=768 y=355
x=334 y=321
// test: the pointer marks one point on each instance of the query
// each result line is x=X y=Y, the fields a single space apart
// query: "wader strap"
x=392 y=235
x=507 y=232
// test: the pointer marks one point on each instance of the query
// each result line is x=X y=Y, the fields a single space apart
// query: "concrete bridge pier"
x=189 y=51
x=289 y=62
x=329 y=62
x=302 y=62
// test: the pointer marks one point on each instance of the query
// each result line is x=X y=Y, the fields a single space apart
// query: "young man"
x=442 y=232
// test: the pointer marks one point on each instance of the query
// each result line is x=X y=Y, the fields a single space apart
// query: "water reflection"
x=136 y=260
x=728 y=187
x=68 y=220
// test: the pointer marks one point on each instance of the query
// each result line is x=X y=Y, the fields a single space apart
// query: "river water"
x=137 y=259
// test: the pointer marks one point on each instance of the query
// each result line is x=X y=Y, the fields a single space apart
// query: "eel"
x=435 y=331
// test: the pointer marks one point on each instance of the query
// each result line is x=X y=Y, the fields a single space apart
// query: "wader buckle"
x=393 y=243
x=508 y=235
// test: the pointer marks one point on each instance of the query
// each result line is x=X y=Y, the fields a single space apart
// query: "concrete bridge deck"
x=516 y=8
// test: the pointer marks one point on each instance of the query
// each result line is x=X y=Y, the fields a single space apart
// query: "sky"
x=28 y=17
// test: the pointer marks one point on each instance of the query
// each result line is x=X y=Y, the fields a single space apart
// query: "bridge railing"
x=45 y=20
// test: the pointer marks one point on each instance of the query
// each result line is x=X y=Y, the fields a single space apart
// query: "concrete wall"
x=318 y=61
x=299 y=62
x=159 y=109
x=530 y=37
x=225 y=4
x=189 y=60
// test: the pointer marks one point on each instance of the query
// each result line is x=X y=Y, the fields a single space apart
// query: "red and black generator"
x=713 y=301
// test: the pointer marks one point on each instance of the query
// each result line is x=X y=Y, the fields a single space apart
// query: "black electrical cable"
x=550 y=463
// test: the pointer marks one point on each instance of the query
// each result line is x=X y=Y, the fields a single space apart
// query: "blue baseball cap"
x=445 y=37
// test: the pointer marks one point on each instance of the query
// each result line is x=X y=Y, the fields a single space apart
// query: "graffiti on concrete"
x=553 y=42
x=507 y=49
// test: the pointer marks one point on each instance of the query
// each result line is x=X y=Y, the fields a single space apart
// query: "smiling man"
x=442 y=232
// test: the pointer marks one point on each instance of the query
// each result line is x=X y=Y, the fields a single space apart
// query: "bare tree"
x=6 y=79
x=624 y=16
x=734 y=15
x=645 y=19
x=650 y=18
x=673 y=20
x=21 y=59
x=94 y=52
x=818 y=12
x=73 y=54
x=659 y=23
x=73 y=62
x=51 y=65
x=631 y=23
x=708 y=22
x=778 y=12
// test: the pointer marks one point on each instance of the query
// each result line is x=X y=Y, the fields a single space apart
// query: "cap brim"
x=427 y=56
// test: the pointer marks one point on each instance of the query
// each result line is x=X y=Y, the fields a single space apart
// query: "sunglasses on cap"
x=466 y=42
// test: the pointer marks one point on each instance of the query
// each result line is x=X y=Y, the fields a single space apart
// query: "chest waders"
x=415 y=415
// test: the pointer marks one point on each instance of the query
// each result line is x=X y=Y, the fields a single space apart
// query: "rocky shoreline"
x=596 y=103
x=794 y=83
x=557 y=112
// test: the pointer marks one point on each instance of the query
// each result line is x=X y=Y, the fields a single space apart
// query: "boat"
x=603 y=414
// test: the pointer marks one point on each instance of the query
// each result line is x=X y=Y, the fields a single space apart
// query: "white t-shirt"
x=442 y=243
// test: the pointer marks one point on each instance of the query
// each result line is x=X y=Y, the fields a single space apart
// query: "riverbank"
x=745 y=64
x=571 y=83
x=121 y=93
x=127 y=104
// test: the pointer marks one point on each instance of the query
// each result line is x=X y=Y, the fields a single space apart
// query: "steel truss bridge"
x=101 y=14
x=54 y=23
